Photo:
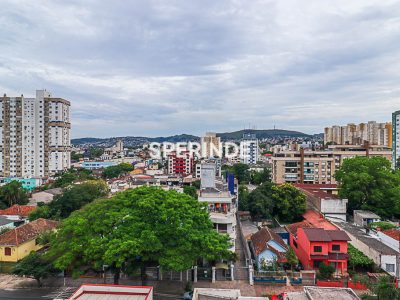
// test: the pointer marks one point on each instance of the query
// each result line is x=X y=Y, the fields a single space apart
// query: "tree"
x=13 y=193
x=117 y=171
x=289 y=202
x=243 y=197
x=95 y=152
x=326 y=271
x=35 y=266
x=190 y=190
x=385 y=289
x=261 y=202
x=241 y=172
x=70 y=176
x=291 y=258
x=76 y=156
x=369 y=183
x=73 y=198
x=358 y=260
x=138 y=227
x=260 y=177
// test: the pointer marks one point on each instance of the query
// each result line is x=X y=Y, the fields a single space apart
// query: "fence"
x=243 y=241
x=271 y=277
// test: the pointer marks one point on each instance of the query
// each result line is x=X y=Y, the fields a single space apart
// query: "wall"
x=17 y=253
x=389 y=241
x=388 y=259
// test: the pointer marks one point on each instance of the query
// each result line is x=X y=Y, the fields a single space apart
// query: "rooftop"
x=111 y=292
x=394 y=233
x=370 y=241
x=366 y=214
x=18 y=210
x=5 y=221
x=27 y=232
x=322 y=235
x=317 y=293
x=318 y=220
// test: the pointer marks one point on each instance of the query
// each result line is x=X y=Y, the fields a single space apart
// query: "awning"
x=221 y=266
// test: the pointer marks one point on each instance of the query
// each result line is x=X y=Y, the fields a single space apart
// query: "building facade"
x=211 y=145
x=396 y=138
x=249 y=149
x=180 y=164
x=318 y=167
x=351 y=134
x=34 y=135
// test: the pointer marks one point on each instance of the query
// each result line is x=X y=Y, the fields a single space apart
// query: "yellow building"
x=19 y=242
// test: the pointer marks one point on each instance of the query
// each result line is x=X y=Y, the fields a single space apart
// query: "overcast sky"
x=168 y=67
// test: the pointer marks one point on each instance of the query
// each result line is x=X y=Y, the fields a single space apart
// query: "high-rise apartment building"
x=181 y=163
x=318 y=167
x=211 y=145
x=249 y=149
x=396 y=138
x=372 y=132
x=34 y=135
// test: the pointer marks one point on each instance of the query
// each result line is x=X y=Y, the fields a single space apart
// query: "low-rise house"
x=321 y=293
x=223 y=294
x=17 y=213
x=329 y=205
x=19 y=242
x=384 y=256
x=268 y=247
x=364 y=217
x=45 y=196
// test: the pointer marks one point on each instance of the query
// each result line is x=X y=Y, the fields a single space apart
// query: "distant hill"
x=132 y=141
x=262 y=134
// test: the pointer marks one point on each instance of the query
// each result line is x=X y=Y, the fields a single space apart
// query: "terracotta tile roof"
x=292 y=228
x=338 y=235
x=394 y=233
x=318 y=220
x=260 y=242
x=27 y=232
x=17 y=210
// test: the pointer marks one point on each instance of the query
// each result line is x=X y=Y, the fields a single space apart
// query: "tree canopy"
x=371 y=184
x=136 y=227
x=13 y=193
x=70 y=176
x=241 y=172
x=73 y=198
x=282 y=201
x=190 y=190
x=116 y=171
x=35 y=266
x=260 y=177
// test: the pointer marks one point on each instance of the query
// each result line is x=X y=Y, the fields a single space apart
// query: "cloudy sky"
x=168 y=67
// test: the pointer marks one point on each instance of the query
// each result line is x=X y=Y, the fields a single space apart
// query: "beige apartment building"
x=318 y=167
x=375 y=133
x=210 y=145
x=34 y=135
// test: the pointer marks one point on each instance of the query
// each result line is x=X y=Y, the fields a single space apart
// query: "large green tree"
x=116 y=171
x=137 y=227
x=260 y=177
x=35 y=266
x=261 y=202
x=241 y=172
x=190 y=190
x=243 y=197
x=13 y=193
x=73 y=198
x=370 y=183
x=289 y=203
x=70 y=176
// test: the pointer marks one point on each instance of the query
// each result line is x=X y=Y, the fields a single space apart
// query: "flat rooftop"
x=330 y=293
x=366 y=214
x=371 y=241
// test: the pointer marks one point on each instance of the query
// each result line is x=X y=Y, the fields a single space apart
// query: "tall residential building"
x=318 y=167
x=34 y=135
x=396 y=138
x=249 y=149
x=180 y=163
x=211 y=145
x=375 y=133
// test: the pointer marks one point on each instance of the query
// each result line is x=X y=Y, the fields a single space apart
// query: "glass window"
x=335 y=247
x=317 y=248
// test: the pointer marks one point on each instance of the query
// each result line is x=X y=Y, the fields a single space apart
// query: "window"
x=7 y=251
x=335 y=247
x=317 y=248
x=390 y=268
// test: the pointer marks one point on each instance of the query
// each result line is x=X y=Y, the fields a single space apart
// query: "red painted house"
x=314 y=246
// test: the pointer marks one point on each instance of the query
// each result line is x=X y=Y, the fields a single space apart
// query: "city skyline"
x=158 y=69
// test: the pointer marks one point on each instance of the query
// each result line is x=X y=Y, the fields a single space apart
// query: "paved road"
x=47 y=294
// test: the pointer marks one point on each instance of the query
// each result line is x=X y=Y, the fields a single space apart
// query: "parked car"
x=188 y=296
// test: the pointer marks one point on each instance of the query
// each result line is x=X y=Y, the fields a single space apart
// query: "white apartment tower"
x=249 y=149
x=34 y=135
